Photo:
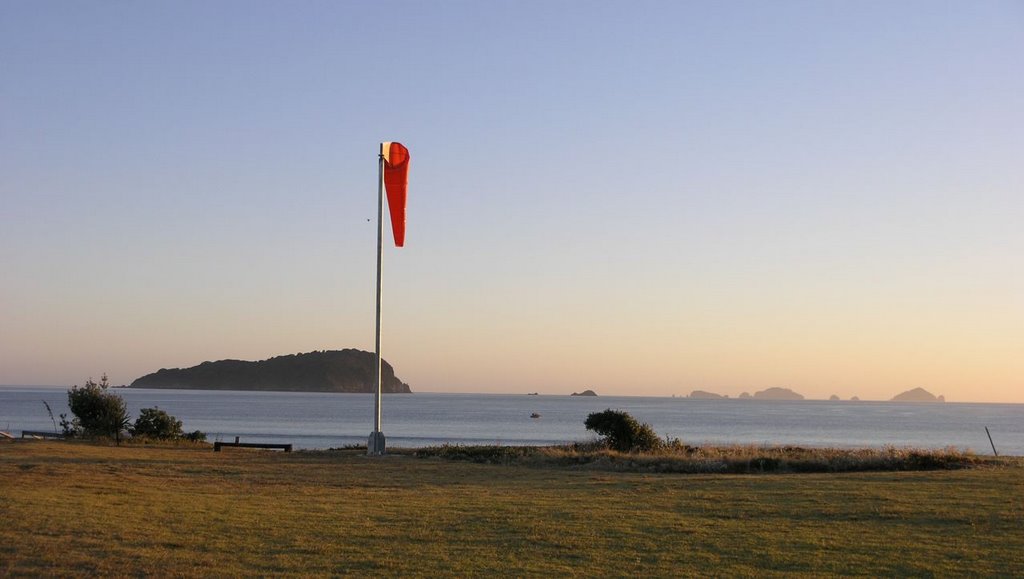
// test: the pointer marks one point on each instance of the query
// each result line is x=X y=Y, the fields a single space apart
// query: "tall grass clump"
x=49 y=411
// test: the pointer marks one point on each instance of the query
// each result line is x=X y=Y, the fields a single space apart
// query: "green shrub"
x=195 y=436
x=97 y=411
x=155 y=423
x=622 y=432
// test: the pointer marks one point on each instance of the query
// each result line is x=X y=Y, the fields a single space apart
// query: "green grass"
x=71 y=508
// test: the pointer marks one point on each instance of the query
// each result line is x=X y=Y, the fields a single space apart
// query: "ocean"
x=321 y=420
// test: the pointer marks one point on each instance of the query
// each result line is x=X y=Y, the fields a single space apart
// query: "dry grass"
x=71 y=508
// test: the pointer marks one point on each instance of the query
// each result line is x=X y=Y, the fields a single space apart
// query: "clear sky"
x=643 y=198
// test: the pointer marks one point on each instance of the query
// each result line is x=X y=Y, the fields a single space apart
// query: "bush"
x=97 y=412
x=155 y=423
x=196 y=436
x=622 y=432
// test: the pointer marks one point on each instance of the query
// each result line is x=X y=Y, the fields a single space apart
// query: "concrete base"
x=375 y=445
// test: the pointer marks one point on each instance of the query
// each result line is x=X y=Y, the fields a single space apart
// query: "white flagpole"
x=375 y=445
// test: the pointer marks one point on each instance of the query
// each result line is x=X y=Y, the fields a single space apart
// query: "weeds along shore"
x=723 y=459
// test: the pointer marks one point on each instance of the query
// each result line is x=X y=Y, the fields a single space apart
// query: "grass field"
x=70 y=508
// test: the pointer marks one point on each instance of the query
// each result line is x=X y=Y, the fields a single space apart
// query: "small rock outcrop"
x=833 y=398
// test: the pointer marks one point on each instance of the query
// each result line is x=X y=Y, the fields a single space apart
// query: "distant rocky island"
x=347 y=370
x=769 y=394
x=584 y=393
x=774 y=393
x=918 y=395
x=915 y=395
x=705 y=395
x=777 y=394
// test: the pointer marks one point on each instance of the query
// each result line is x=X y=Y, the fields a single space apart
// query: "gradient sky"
x=643 y=198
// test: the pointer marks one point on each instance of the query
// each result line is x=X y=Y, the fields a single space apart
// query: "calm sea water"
x=316 y=420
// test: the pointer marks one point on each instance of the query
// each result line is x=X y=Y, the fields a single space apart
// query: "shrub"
x=97 y=412
x=155 y=423
x=195 y=436
x=622 y=432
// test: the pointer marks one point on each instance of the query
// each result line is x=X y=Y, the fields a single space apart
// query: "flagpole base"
x=375 y=445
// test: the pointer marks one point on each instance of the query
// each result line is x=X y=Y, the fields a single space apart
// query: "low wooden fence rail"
x=285 y=447
x=40 y=434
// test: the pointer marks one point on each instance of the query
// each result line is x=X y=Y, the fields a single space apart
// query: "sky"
x=641 y=198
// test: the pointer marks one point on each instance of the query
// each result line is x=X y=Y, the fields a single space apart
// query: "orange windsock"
x=396 y=181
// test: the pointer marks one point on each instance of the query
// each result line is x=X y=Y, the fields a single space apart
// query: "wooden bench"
x=40 y=434
x=285 y=447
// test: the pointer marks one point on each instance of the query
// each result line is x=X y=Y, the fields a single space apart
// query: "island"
x=834 y=398
x=346 y=370
x=918 y=395
x=777 y=394
x=705 y=395
x=584 y=393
